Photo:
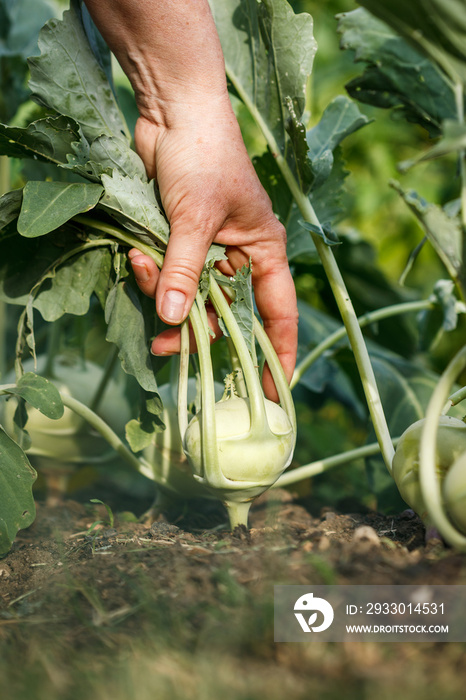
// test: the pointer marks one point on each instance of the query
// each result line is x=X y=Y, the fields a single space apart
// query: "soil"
x=187 y=584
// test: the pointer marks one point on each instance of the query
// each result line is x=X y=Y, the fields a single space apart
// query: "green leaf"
x=40 y=393
x=21 y=22
x=10 y=206
x=340 y=119
x=444 y=232
x=129 y=326
x=112 y=153
x=397 y=75
x=453 y=140
x=314 y=150
x=50 y=139
x=67 y=288
x=243 y=306
x=48 y=205
x=269 y=53
x=326 y=233
x=435 y=27
x=274 y=184
x=25 y=261
x=134 y=203
x=106 y=154
x=67 y=78
x=440 y=319
x=17 y=508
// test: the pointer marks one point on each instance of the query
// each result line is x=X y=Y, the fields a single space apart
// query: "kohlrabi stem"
x=459 y=98
x=278 y=375
x=428 y=477
x=365 y=320
x=106 y=376
x=238 y=512
x=5 y=179
x=353 y=330
x=199 y=322
x=336 y=282
x=457 y=397
x=105 y=431
x=121 y=235
x=237 y=369
x=251 y=377
x=5 y=186
x=322 y=465
x=182 y=398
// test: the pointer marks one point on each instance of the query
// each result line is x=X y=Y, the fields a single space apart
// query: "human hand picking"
x=190 y=142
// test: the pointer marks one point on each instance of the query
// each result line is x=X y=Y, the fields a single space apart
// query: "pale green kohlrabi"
x=240 y=445
x=451 y=446
x=59 y=447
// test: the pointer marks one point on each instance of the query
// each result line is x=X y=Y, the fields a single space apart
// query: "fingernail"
x=173 y=306
x=140 y=270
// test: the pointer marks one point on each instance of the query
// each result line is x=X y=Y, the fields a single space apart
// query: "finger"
x=145 y=271
x=275 y=297
x=178 y=281
x=168 y=342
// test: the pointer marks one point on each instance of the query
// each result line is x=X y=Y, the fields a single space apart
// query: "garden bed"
x=139 y=608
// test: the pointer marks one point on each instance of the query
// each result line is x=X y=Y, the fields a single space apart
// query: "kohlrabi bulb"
x=454 y=492
x=451 y=443
x=254 y=458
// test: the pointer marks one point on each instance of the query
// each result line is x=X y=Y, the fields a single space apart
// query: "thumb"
x=179 y=278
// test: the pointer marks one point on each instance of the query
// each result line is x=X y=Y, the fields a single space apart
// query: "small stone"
x=5 y=571
x=366 y=534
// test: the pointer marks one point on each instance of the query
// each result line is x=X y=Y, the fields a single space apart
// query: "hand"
x=210 y=193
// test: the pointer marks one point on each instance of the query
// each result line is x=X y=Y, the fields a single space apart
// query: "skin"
x=190 y=142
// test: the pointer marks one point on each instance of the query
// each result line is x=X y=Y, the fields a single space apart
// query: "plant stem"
x=278 y=375
x=428 y=478
x=321 y=465
x=365 y=320
x=336 y=282
x=459 y=98
x=106 y=376
x=238 y=513
x=200 y=326
x=121 y=235
x=251 y=377
x=182 y=398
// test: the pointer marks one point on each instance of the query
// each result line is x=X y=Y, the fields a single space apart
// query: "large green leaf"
x=48 y=205
x=10 y=206
x=40 y=393
x=133 y=202
x=130 y=327
x=20 y=22
x=25 y=261
x=50 y=139
x=68 y=287
x=269 y=52
x=442 y=230
x=340 y=119
x=68 y=78
x=17 y=508
x=397 y=75
x=435 y=27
